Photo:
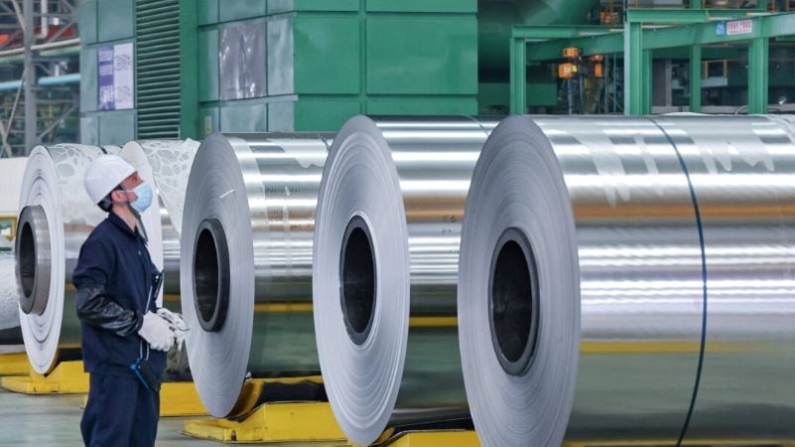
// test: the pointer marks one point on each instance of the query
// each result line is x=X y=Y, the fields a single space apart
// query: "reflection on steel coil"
x=386 y=249
x=630 y=278
x=246 y=244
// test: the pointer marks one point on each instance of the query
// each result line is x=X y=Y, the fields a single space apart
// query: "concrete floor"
x=54 y=420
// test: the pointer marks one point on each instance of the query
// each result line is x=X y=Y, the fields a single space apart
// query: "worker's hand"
x=156 y=332
x=179 y=338
x=178 y=326
x=174 y=320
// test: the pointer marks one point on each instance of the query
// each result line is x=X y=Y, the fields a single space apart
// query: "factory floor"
x=54 y=420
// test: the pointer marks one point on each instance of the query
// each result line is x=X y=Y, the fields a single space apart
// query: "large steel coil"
x=630 y=278
x=11 y=171
x=246 y=263
x=10 y=332
x=386 y=252
x=56 y=216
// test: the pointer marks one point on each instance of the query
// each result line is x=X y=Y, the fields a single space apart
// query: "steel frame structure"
x=644 y=31
x=37 y=43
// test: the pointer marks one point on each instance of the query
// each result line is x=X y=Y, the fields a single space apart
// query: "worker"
x=125 y=337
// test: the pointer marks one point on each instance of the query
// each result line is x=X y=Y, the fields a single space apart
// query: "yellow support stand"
x=14 y=364
x=457 y=438
x=180 y=399
x=306 y=423
x=66 y=378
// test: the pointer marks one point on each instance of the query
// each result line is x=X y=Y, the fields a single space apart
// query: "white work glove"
x=178 y=326
x=156 y=332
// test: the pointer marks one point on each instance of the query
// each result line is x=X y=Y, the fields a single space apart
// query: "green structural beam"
x=694 y=76
x=689 y=27
x=757 y=75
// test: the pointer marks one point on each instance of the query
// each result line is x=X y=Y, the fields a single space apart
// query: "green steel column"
x=518 y=76
x=757 y=76
x=695 y=78
x=647 y=82
x=633 y=69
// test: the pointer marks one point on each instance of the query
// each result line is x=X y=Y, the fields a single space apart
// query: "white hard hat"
x=104 y=174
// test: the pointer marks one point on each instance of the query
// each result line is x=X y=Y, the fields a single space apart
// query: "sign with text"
x=115 y=77
x=739 y=27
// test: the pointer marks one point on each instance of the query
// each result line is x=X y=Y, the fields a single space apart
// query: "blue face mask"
x=144 y=193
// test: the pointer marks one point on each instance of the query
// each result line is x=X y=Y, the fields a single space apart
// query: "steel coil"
x=12 y=170
x=246 y=263
x=386 y=252
x=56 y=216
x=625 y=279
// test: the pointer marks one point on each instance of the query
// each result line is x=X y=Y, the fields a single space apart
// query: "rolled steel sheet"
x=585 y=282
x=10 y=332
x=56 y=216
x=742 y=171
x=386 y=251
x=11 y=171
x=165 y=164
x=246 y=262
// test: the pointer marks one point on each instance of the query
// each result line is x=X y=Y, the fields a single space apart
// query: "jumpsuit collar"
x=119 y=222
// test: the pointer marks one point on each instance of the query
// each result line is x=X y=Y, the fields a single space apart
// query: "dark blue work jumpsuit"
x=113 y=278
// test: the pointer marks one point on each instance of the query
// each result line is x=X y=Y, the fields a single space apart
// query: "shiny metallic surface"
x=680 y=224
x=261 y=190
x=407 y=180
x=640 y=277
x=53 y=182
x=434 y=160
x=742 y=172
x=32 y=247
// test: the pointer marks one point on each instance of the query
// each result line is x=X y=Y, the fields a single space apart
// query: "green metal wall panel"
x=116 y=127
x=207 y=11
x=280 y=6
x=280 y=55
x=87 y=17
x=242 y=9
x=403 y=105
x=413 y=6
x=89 y=130
x=324 y=114
x=494 y=97
x=88 y=79
x=327 y=55
x=244 y=116
x=115 y=19
x=210 y=118
x=208 y=64
x=281 y=116
x=422 y=54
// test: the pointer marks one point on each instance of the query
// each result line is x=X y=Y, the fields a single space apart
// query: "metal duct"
x=629 y=278
x=386 y=252
x=246 y=263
